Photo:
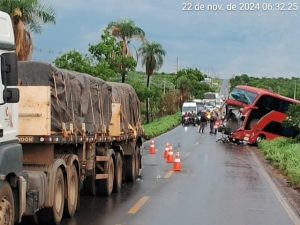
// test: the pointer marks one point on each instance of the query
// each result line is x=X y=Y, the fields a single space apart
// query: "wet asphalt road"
x=221 y=184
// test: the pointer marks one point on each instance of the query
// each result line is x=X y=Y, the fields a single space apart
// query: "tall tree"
x=109 y=51
x=125 y=30
x=27 y=16
x=152 y=58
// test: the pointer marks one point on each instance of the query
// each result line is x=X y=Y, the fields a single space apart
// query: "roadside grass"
x=161 y=125
x=284 y=154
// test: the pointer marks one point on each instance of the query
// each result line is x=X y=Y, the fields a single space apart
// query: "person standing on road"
x=203 y=122
x=212 y=121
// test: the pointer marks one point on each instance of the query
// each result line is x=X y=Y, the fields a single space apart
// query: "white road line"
x=283 y=201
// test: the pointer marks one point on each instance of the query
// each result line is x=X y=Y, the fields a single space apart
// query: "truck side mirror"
x=11 y=95
x=9 y=69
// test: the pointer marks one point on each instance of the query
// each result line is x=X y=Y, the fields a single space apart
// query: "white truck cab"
x=11 y=182
x=189 y=107
x=8 y=111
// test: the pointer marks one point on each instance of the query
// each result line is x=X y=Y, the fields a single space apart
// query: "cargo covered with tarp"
x=77 y=99
x=129 y=106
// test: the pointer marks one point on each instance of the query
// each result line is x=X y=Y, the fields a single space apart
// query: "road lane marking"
x=283 y=200
x=138 y=205
x=169 y=174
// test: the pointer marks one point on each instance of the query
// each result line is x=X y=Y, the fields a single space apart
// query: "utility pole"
x=177 y=64
x=295 y=89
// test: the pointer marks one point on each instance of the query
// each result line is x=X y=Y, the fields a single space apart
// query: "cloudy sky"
x=221 y=42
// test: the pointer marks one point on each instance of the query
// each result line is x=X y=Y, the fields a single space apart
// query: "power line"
x=47 y=51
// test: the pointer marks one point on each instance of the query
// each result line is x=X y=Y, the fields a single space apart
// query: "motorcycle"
x=188 y=119
x=185 y=121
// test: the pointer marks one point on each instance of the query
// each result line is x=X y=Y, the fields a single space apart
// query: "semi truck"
x=62 y=133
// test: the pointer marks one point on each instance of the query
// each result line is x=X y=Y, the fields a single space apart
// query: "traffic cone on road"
x=177 y=163
x=152 y=149
x=170 y=157
x=166 y=152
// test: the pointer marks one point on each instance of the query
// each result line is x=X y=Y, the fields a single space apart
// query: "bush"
x=284 y=154
x=161 y=125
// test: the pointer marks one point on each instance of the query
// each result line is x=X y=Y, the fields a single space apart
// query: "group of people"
x=205 y=118
x=208 y=118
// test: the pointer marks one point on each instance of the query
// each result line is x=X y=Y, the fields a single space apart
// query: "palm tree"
x=125 y=30
x=27 y=15
x=152 y=54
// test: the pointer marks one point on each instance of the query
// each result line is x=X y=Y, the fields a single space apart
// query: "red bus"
x=259 y=114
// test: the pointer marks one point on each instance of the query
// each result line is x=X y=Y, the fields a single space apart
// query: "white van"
x=189 y=107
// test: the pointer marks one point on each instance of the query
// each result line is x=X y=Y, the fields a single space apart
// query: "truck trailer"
x=76 y=134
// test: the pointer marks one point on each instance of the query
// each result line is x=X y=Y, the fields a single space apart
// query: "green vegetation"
x=293 y=119
x=161 y=125
x=105 y=59
x=190 y=84
x=152 y=58
x=125 y=30
x=284 y=154
x=283 y=86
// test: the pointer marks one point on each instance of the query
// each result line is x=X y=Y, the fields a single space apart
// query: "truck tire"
x=89 y=184
x=105 y=186
x=118 y=173
x=54 y=214
x=138 y=162
x=130 y=168
x=72 y=198
x=6 y=205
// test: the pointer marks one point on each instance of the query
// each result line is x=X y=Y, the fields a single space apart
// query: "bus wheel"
x=6 y=205
x=118 y=173
x=54 y=214
x=260 y=138
x=72 y=198
x=130 y=164
x=105 y=186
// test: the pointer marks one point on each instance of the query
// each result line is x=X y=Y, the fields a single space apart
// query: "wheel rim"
x=58 y=196
x=73 y=191
x=137 y=163
x=6 y=215
x=119 y=172
x=259 y=139
x=111 y=176
x=133 y=164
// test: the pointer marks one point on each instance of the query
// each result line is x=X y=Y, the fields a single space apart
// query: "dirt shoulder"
x=281 y=181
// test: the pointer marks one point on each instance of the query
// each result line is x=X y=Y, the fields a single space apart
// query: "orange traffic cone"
x=177 y=163
x=166 y=152
x=170 y=157
x=152 y=149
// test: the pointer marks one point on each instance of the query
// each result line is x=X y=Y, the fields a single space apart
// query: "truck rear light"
x=42 y=139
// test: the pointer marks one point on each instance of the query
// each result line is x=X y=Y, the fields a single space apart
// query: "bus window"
x=243 y=96
x=276 y=128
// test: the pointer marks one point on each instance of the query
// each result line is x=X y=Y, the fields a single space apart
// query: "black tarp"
x=75 y=97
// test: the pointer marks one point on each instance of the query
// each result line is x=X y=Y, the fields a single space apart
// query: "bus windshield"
x=244 y=96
